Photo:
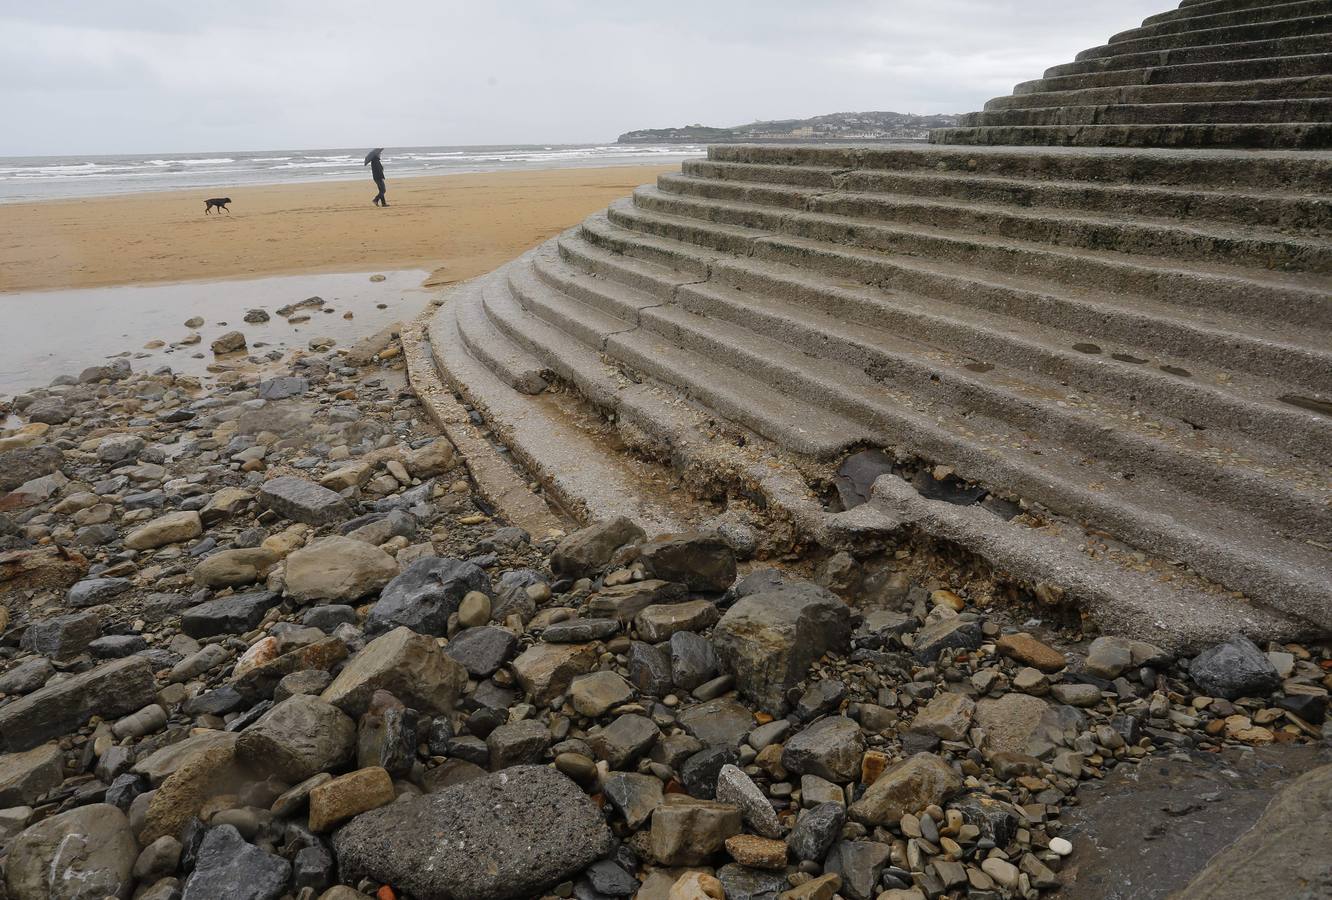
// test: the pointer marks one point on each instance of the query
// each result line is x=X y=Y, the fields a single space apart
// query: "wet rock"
x=608 y=879
x=409 y=666
x=815 y=831
x=109 y=690
x=1234 y=669
x=513 y=834
x=282 y=387
x=236 y=614
x=26 y=776
x=227 y=866
x=338 y=569
x=481 y=651
x=423 y=597
x=171 y=528
x=338 y=800
x=687 y=831
x=545 y=671
x=769 y=639
x=297 y=738
x=588 y=550
x=830 y=748
x=85 y=853
x=906 y=787
x=701 y=562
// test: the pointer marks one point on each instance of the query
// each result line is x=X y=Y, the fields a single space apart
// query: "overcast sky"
x=143 y=76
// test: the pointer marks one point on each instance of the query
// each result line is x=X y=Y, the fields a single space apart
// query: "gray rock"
x=110 y=690
x=649 y=669
x=734 y=786
x=409 y=666
x=297 y=738
x=820 y=698
x=720 y=722
x=27 y=676
x=580 y=631
x=118 y=449
x=517 y=743
x=424 y=596
x=701 y=562
x=946 y=634
x=339 y=569
x=769 y=639
x=49 y=411
x=302 y=501
x=481 y=651
x=65 y=636
x=830 y=748
x=699 y=772
x=859 y=863
x=117 y=646
x=328 y=617
x=227 y=866
x=693 y=660
x=236 y=614
x=815 y=831
x=634 y=795
x=906 y=787
x=23 y=464
x=28 y=775
x=595 y=693
x=624 y=740
x=86 y=853
x=1234 y=669
x=743 y=883
x=282 y=387
x=590 y=549
x=606 y=878
x=513 y=834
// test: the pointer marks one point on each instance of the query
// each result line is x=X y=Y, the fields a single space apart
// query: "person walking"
x=377 y=173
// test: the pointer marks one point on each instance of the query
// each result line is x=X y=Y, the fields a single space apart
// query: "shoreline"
x=455 y=226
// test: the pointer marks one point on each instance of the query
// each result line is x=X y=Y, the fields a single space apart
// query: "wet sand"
x=453 y=226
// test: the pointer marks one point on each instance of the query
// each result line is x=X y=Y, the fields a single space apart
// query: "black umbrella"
x=373 y=154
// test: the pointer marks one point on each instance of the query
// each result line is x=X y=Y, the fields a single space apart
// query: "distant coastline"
x=850 y=126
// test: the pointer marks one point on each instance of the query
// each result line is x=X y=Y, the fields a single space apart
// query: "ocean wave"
x=207 y=162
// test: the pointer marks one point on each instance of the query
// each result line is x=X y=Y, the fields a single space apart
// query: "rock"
x=830 y=748
x=946 y=634
x=473 y=610
x=24 y=464
x=282 y=387
x=1234 y=669
x=580 y=631
x=297 y=738
x=236 y=614
x=233 y=568
x=1082 y=695
x=696 y=886
x=423 y=597
x=92 y=591
x=1010 y=722
x=304 y=501
x=720 y=722
x=166 y=761
x=700 y=771
x=859 y=863
x=592 y=695
x=338 y=800
x=230 y=342
x=635 y=796
x=693 y=661
x=815 y=831
x=227 y=866
x=86 y=853
x=262 y=672
x=26 y=776
x=27 y=676
x=701 y=562
x=735 y=787
x=607 y=878
x=171 y=528
x=513 y=834
x=1026 y=649
x=338 y=569
x=109 y=690
x=687 y=832
x=649 y=669
x=158 y=860
x=48 y=411
x=624 y=740
x=757 y=852
x=820 y=698
x=626 y=601
x=120 y=449
x=825 y=887
x=433 y=459
x=223 y=504
x=409 y=666
x=481 y=651
x=517 y=743
x=658 y=622
x=947 y=716
x=1109 y=657
x=590 y=549
x=545 y=671
x=62 y=637
x=906 y=787
x=769 y=639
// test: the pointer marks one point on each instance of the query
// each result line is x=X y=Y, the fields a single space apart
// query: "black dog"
x=219 y=202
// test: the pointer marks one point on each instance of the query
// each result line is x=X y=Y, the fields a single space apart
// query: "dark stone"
x=693 y=660
x=1234 y=669
x=580 y=631
x=92 y=591
x=649 y=669
x=859 y=863
x=701 y=562
x=117 y=646
x=226 y=866
x=313 y=867
x=23 y=464
x=125 y=788
x=699 y=772
x=815 y=831
x=743 y=883
x=228 y=615
x=425 y=594
x=217 y=702
x=282 y=387
x=62 y=637
x=302 y=501
x=820 y=698
x=327 y=618
x=482 y=650
x=610 y=879
x=517 y=743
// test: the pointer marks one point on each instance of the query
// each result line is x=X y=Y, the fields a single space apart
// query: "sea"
x=25 y=178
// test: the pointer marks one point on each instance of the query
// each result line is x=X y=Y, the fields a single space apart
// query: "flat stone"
x=236 y=614
x=635 y=796
x=1027 y=649
x=830 y=748
x=720 y=722
x=92 y=591
x=593 y=694
x=624 y=740
x=517 y=744
x=658 y=622
x=171 y=528
x=687 y=831
x=408 y=665
x=297 y=738
x=947 y=716
x=588 y=550
x=625 y=601
x=339 y=799
x=26 y=776
x=234 y=568
x=425 y=594
x=946 y=634
x=63 y=637
x=282 y=387
x=304 y=501
x=580 y=631
x=27 y=676
x=513 y=834
x=757 y=852
x=338 y=569
x=700 y=561
x=906 y=787
x=110 y=690
x=1011 y=722
x=481 y=651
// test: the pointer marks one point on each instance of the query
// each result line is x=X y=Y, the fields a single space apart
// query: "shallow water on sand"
x=44 y=334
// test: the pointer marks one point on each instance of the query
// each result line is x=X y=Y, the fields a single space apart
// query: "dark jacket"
x=376 y=169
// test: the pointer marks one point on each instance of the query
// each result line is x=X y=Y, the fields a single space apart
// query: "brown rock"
x=545 y=671
x=687 y=832
x=408 y=665
x=825 y=887
x=696 y=886
x=1026 y=649
x=184 y=793
x=907 y=787
x=757 y=852
x=356 y=792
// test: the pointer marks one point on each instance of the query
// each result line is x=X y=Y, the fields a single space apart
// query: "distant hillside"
x=876 y=126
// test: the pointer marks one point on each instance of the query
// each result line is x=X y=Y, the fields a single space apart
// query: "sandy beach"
x=454 y=226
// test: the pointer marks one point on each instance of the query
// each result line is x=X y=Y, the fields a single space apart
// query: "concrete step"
x=1191 y=8
x=515 y=366
x=1220 y=169
x=1205 y=535
x=1250 y=246
x=1225 y=342
x=1294 y=88
x=919 y=376
x=1286 y=136
x=1211 y=37
x=1294 y=45
x=1217 y=401
x=731 y=226
x=1207 y=113
x=1263 y=68
x=1290 y=212
x=1241 y=15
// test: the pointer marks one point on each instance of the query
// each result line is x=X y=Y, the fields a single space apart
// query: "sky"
x=144 y=76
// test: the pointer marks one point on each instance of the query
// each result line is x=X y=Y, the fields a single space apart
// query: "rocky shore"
x=262 y=638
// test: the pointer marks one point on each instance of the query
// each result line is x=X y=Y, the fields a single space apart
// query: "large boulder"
x=512 y=834
x=426 y=593
x=906 y=787
x=112 y=689
x=338 y=570
x=227 y=866
x=86 y=853
x=590 y=549
x=408 y=665
x=300 y=737
x=26 y=776
x=1234 y=669
x=769 y=639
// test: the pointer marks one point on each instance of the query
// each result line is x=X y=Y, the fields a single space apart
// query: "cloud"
x=85 y=76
